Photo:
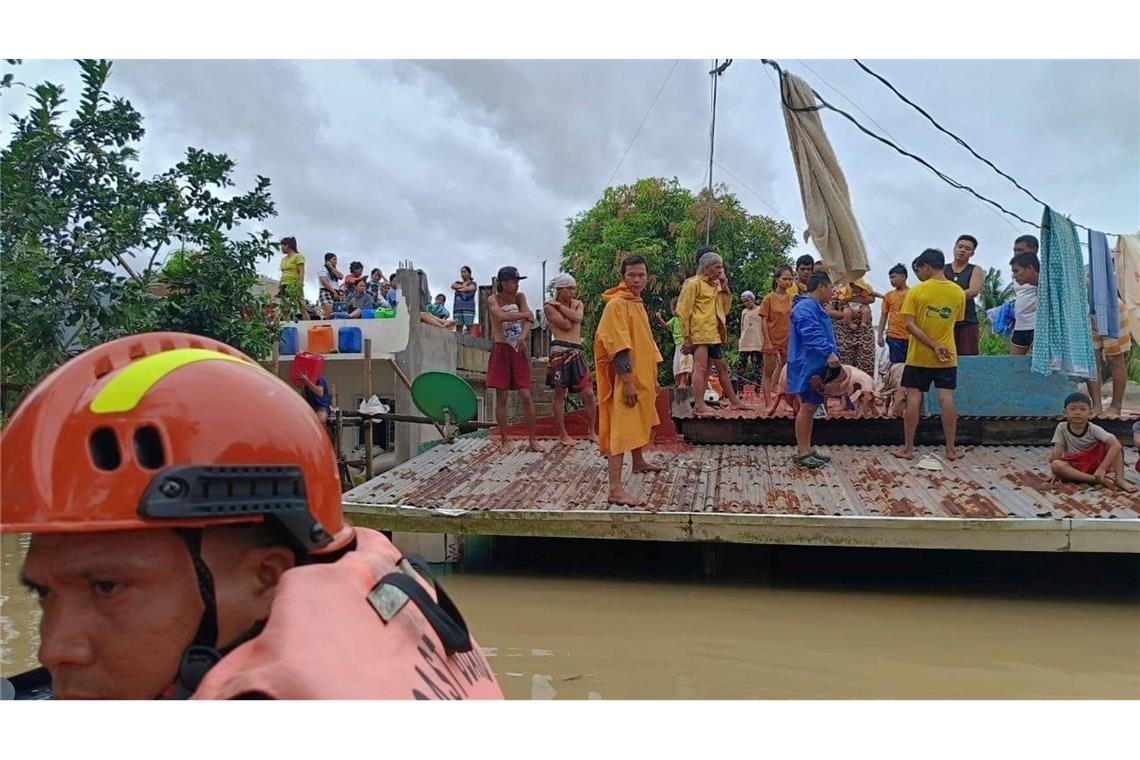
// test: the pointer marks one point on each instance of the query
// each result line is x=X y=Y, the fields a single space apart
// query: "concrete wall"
x=429 y=348
x=1004 y=386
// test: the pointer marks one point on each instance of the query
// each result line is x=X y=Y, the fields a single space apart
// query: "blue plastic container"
x=287 y=343
x=368 y=314
x=349 y=340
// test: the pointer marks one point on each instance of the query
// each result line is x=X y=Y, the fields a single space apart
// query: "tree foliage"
x=84 y=236
x=994 y=292
x=665 y=223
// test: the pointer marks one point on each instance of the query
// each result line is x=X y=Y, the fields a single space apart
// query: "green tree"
x=994 y=293
x=83 y=234
x=665 y=223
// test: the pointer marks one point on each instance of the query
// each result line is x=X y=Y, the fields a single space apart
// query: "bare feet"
x=740 y=406
x=593 y=436
x=620 y=496
x=953 y=454
x=702 y=410
x=1112 y=411
x=535 y=448
x=903 y=454
x=565 y=440
x=644 y=465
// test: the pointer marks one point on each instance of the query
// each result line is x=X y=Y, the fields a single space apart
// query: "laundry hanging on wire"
x=831 y=223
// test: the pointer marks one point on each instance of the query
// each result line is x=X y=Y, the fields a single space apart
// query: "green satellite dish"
x=439 y=395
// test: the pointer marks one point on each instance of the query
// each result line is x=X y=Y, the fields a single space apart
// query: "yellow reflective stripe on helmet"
x=126 y=389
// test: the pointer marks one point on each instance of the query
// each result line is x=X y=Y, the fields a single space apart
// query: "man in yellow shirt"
x=703 y=308
x=930 y=309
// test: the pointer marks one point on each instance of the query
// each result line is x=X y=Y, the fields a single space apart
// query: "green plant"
x=665 y=222
x=994 y=293
x=83 y=234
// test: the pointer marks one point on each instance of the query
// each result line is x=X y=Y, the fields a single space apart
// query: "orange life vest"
x=347 y=630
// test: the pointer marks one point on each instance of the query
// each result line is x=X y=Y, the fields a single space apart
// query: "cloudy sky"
x=481 y=162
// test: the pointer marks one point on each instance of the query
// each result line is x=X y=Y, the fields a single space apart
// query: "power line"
x=759 y=197
x=886 y=132
x=941 y=175
x=660 y=89
x=956 y=138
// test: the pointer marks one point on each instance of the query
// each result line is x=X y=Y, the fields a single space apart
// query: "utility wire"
x=660 y=89
x=941 y=175
x=759 y=197
x=888 y=134
x=956 y=138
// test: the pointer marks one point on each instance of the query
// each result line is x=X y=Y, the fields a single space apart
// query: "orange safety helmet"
x=169 y=430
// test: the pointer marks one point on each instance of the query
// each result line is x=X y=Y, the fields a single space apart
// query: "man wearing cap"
x=567 y=370
x=702 y=308
x=751 y=344
x=509 y=366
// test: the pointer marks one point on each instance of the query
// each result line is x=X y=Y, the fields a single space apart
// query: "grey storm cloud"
x=481 y=162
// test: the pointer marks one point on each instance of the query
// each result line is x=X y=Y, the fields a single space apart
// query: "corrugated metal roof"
x=990 y=482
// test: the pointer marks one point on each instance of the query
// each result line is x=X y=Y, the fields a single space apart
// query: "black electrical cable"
x=944 y=177
x=956 y=138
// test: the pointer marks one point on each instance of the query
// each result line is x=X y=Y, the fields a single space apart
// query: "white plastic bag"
x=372 y=406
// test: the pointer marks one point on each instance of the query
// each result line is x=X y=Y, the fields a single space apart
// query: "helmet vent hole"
x=104 y=448
x=148 y=447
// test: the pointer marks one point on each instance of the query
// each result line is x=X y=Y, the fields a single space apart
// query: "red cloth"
x=1088 y=460
x=507 y=369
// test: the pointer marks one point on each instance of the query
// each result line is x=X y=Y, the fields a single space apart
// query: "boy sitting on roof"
x=1083 y=452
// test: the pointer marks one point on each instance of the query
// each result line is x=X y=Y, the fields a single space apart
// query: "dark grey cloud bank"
x=481 y=162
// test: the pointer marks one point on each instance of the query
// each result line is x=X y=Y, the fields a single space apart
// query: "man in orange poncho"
x=626 y=357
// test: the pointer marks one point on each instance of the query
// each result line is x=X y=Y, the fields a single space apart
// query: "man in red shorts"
x=567 y=371
x=509 y=366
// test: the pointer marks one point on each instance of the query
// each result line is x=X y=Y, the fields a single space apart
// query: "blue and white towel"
x=1062 y=341
x=1102 y=287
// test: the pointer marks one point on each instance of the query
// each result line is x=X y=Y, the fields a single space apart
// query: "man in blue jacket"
x=811 y=350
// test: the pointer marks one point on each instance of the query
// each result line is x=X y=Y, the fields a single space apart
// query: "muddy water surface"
x=610 y=633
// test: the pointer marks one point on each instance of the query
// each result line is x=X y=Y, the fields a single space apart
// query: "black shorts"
x=716 y=350
x=920 y=378
x=1022 y=338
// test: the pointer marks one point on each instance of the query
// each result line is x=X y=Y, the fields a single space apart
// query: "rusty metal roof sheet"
x=990 y=482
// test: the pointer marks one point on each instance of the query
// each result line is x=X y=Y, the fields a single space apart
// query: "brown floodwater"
x=608 y=620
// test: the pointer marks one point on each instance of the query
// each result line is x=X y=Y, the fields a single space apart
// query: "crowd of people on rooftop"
x=804 y=343
x=357 y=295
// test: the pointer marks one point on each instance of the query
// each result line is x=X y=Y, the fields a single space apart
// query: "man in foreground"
x=566 y=371
x=812 y=352
x=191 y=543
x=626 y=357
x=931 y=310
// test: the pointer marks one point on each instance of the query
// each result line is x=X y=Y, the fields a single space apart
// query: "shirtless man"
x=567 y=370
x=509 y=366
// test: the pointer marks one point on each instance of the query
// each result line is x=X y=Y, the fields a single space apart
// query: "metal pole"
x=368 y=471
x=717 y=70
x=543 y=296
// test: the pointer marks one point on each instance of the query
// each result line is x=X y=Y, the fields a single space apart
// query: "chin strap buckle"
x=196 y=663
